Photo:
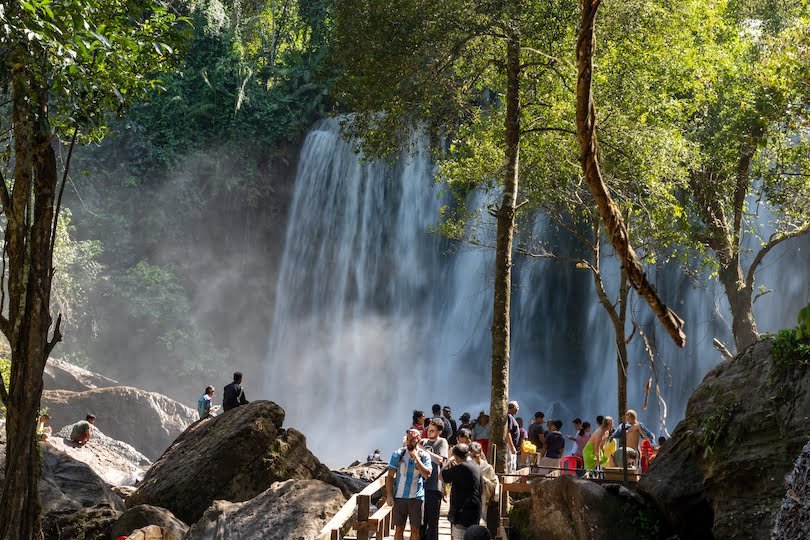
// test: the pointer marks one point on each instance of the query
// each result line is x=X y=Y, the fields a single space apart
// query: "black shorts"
x=405 y=509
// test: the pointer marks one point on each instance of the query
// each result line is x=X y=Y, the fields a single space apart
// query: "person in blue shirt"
x=204 y=408
x=405 y=485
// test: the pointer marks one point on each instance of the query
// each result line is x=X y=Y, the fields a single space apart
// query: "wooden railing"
x=363 y=523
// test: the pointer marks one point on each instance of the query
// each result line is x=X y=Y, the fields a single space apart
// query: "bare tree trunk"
x=608 y=211
x=503 y=258
x=621 y=345
x=30 y=213
x=740 y=299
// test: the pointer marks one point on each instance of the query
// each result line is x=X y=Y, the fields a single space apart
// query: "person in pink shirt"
x=582 y=438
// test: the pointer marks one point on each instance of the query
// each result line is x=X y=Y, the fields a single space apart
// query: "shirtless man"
x=635 y=431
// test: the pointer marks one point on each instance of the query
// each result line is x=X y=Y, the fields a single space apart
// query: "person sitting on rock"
x=43 y=427
x=233 y=396
x=204 y=407
x=83 y=430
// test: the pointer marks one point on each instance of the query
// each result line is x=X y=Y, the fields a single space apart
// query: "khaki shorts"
x=407 y=508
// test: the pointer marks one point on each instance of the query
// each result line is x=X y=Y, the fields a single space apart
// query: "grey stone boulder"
x=570 y=508
x=357 y=477
x=721 y=474
x=234 y=457
x=68 y=484
x=291 y=510
x=61 y=375
x=154 y=532
x=144 y=515
x=116 y=462
x=146 y=420
x=91 y=523
x=793 y=518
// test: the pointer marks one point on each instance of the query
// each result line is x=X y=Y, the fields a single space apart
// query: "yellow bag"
x=527 y=447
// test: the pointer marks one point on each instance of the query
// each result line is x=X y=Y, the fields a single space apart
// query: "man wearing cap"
x=465 y=421
x=405 y=485
x=453 y=427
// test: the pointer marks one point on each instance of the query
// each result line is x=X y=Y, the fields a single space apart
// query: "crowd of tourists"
x=440 y=453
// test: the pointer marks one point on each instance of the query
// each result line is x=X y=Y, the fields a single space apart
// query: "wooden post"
x=363 y=512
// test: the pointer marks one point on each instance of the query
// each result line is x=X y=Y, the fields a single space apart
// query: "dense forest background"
x=174 y=224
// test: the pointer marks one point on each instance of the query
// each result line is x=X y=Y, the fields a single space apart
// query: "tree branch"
x=772 y=243
x=720 y=346
x=57 y=336
x=5 y=197
x=62 y=190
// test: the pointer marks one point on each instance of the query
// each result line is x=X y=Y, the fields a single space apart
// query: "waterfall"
x=375 y=316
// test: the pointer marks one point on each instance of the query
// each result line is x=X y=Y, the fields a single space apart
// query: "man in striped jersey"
x=405 y=484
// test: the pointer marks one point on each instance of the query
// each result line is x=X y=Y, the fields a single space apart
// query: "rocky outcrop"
x=356 y=477
x=68 y=484
x=144 y=515
x=721 y=473
x=116 y=462
x=793 y=518
x=291 y=510
x=92 y=523
x=147 y=420
x=234 y=457
x=61 y=375
x=569 y=508
x=76 y=503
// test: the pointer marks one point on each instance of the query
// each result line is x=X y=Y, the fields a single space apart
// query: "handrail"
x=360 y=502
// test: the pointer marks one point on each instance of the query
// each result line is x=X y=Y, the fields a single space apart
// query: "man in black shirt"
x=465 y=496
x=233 y=395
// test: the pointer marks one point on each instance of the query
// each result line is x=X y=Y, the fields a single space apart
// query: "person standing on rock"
x=635 y=431
x=405 y=485
x=204 y=407
x=233 y=394
x=83 y=430
x=465 y=494
x=438 y=448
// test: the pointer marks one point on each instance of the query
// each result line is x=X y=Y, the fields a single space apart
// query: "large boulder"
x=233 y=457
x=291 y=510
x=69 y=484
x=91 y=523
x=721 y=473
x=357 y=476
x=116 y=462
x=569 y=508
x=144 y=515
x=793 y=518
x=76 y=503
x=61 y=375
x=147 y=420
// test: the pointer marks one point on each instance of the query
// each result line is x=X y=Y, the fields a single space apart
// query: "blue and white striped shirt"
x=409 y=483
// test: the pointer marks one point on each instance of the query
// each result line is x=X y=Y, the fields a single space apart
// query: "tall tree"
x=462 y=64
x=63 y=70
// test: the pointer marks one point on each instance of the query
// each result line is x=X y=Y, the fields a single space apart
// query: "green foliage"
x=714 y=429
x=790 y=350
x=803 y=320
x=5 y=373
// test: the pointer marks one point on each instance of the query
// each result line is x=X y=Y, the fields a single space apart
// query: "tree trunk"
x=503 y=258
x=30 y=216
x=608 y=211
x=619 y=326
x=741 y=302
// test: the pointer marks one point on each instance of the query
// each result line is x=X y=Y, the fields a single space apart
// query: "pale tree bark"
x=503 y=254
x=608 y=211
x=30 y=213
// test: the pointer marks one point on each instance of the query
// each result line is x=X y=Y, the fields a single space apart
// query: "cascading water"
x=375 y=316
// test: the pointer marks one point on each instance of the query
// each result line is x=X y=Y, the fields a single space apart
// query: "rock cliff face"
x=116 y=462
x=569 y=508
x=721 y=473
x=291 y=510
x=61 y=375
x=793 y=519
x=234 y=457
x=147 y=420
